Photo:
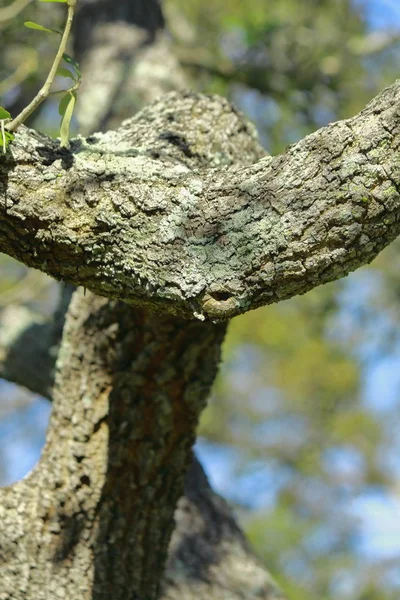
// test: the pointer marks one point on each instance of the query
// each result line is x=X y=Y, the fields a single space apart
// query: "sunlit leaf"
x=4 y=114
x=5 y=137
x=66 y=119
x=62 y=107
x=33 y=25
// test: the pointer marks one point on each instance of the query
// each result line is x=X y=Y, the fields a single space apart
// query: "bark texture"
x=94 y=518
x=179 y=211
x=208 y=556
x=207 y=552
x=139 y=215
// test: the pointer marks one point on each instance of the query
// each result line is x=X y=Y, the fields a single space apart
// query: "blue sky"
x=381 y=14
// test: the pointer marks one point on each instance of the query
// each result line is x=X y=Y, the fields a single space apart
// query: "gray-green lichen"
x=179 y=209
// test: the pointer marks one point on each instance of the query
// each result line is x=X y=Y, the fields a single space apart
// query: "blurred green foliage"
x=291 y=394
x=292 y=65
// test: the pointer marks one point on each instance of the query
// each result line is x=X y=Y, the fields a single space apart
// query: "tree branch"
x=206 y=539
x=209 y=558
x=29 y=345
x=12 y=10
x=44 y=91
x=125 y=215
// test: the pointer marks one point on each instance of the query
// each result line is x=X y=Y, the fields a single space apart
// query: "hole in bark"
x=85 y=480
x=79 y=459
x=221 y=296
x=92 y=139
x=177 y=140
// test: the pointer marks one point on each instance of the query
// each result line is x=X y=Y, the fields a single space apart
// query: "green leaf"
x=5 y=137
x=32 y=25
x=63 y=72
x=66 y=119
x=53 y=1
x=4 y=114
x=71 y=61
x=9 y=136
x=62 y=107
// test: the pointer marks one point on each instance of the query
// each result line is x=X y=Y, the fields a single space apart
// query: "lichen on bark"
x=179 y=211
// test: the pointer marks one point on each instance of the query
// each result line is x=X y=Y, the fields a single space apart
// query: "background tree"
x=321 y=309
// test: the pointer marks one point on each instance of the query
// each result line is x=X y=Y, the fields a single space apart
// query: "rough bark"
x=207 y=553
x=126 y=215
x=97 y=512
x=163 y=214
x=208 y=556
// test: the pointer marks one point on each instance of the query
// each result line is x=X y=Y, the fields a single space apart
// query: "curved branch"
x=128 y=215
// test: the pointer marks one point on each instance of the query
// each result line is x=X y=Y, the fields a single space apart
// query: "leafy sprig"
x=67 y=103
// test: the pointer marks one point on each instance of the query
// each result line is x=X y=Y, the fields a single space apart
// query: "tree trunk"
x=95 y=516
x=208 y=555
x=126 y=60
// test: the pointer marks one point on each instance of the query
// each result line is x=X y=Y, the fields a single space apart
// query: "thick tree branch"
x=207 y=554
x=208 y=557
x=115 y=185
x=97 y=511
x=206 y=539
x=125 y=215
x=26 y=356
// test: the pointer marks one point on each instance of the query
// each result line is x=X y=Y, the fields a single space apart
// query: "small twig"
x=44 y=91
